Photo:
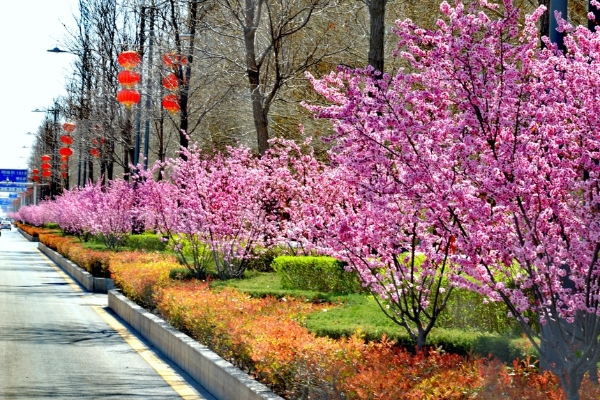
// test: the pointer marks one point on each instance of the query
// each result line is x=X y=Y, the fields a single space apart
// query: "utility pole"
x=149 y=87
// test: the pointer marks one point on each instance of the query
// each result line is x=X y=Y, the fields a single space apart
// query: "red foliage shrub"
x=140 y=275
x=33 y=231
x=95 y=262
x=266 y=338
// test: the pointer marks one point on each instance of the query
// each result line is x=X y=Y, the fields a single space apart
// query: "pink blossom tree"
x=108 y=211
x=71 y=210
x=220 y=210
x=179 y=223
x=483 y=155
x=36 y=215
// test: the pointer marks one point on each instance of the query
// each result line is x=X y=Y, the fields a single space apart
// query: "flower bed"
x=266 y=338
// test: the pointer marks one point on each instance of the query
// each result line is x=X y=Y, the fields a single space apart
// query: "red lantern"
x=64 y=159
x=46 y=173
x=94 y=152
x=69 y=127
x=128 y=78
x=66 y=139
x=170 y=82
x=35 y=171
x=64 y=174
x=171 y=103
x=173 y=59
x=46 y=166
x=63 y=167
x=35 y=178
x=129 y=59
x=65 y=151
x=46 y=157
x=128 y=97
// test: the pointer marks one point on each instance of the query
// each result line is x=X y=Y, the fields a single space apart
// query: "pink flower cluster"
x=485 y=150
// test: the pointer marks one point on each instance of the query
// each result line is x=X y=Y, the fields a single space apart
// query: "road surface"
x=58 y=341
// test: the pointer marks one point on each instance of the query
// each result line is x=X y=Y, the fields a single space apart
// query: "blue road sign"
x=13 y=196
x=6 y=202
x=13 y=175
x=12 y=188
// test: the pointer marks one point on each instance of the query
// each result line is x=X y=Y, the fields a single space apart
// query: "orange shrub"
x=30 y=230
x=95 y=262
x=261 y=336
x=140 y=275
x=266 y=338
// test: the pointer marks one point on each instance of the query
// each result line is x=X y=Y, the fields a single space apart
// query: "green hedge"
x=322 y=274
x=504 y=348
x=146 y=242
x=181 y=274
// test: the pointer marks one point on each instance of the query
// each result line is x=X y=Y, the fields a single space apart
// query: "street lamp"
x=57 y=50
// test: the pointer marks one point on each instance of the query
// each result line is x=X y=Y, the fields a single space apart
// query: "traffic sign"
x=13 y=196
x=6 y=202
x=12 y=188
x=13 y=175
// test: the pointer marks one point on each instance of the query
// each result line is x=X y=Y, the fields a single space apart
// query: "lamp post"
x=80 y=160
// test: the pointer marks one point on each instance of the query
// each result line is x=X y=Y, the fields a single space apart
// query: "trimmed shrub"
x=94 y=262
x=322 y=274
x=470 y=310
x=146 y=242
x=33 y=231
x=181 y=274
x=263 y=261
x=141 y=275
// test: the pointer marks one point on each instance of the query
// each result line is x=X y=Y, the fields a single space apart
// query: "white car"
x=5 y=225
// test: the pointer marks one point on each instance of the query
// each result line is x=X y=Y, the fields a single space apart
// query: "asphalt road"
x=58 y=341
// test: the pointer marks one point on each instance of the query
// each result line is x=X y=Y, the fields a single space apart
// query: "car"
x=5 y=225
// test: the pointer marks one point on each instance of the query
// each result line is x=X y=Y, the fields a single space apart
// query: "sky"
x=31 y=77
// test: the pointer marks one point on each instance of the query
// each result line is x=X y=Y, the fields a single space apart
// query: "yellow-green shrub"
x=141 y=275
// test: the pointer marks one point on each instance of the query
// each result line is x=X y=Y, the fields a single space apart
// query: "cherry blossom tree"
x=220 y=210
x=484 y=151
x=71 y=210
x=104 y=211
x=36 y=215
x=180 y=223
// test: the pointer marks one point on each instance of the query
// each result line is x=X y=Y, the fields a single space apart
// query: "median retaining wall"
x=223 y=380
x=28 y=236
x=85 y=279
x=219 y=377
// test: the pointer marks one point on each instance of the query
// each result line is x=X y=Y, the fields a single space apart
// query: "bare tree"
x=277 y=44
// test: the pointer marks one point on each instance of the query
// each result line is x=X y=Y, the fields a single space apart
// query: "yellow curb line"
x=66 y=277
x=169 y=375
x=180 y=386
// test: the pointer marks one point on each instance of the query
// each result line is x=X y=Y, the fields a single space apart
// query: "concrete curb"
x=28 y=236
x=219 y=377
x=85 y=279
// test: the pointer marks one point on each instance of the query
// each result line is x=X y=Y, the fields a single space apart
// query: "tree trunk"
x=377 y=38
x=91 y=171
x=573 y=384
x=261 y=123
x=545 y=19
x=421 y=340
